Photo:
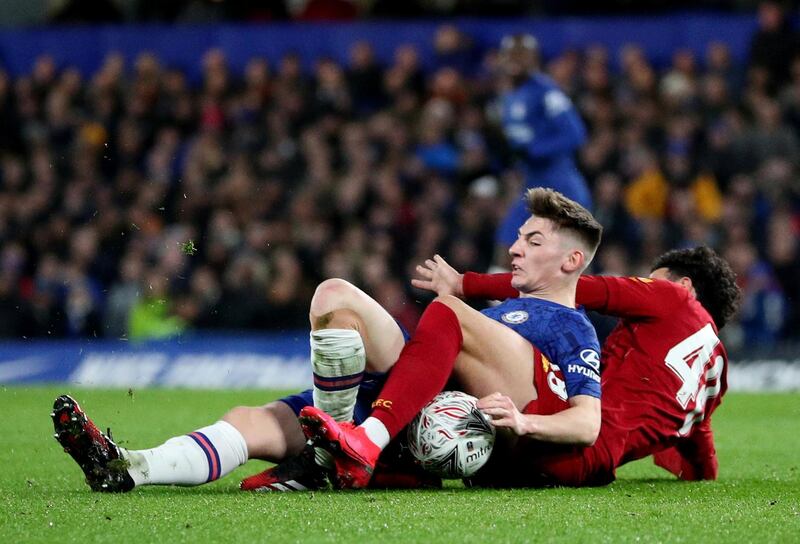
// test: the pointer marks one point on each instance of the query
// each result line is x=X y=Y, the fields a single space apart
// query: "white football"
x=450 y=436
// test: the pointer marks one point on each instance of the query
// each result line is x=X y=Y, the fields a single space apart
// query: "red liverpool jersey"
x=663 y=373
x=663 y=370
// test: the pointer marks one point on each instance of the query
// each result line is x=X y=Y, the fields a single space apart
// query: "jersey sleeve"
x=488 y=286
x=629 y=297
x=573 y=339
x=693 y=457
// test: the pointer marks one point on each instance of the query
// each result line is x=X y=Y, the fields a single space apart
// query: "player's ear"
x=574 y=261
x=686 y=283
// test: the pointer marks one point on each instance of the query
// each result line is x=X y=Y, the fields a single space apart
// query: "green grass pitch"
x=44 y=498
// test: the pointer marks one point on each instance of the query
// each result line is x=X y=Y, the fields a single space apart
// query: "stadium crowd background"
x=135 y=204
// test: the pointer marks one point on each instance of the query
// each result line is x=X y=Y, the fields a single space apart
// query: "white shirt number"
x=691 y=361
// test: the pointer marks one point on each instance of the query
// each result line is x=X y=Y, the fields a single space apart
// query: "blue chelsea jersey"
x=563 y=335
x=542 y=125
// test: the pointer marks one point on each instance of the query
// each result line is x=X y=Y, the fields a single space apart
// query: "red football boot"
x=96 y=454
x=354 y=455
x=298 y=473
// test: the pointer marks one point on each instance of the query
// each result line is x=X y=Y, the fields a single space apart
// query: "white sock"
x=376 y=431
x=192 y=459
x=338 y=362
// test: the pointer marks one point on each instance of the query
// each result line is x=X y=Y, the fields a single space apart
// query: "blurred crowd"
x=134 y=204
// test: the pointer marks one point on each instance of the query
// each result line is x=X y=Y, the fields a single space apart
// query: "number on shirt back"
x=694 y=362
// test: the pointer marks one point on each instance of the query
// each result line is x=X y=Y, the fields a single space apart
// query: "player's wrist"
x=529 y=426
x=459 y=287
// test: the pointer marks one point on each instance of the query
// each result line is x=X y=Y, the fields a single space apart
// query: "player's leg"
x=273 y=434
x=460 y=341
x=350 y=333
x=348 y=326
x=269 y=432
x=338 y=304
x=447 y=329
x=493 y=358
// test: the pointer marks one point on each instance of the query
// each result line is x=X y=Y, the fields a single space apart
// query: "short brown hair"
x=565 y=214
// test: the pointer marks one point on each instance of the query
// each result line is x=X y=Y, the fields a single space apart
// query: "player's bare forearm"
x=579 y=424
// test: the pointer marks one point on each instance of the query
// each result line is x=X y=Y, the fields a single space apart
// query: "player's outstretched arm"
x=438 y=276
x=579 y=424
x=629 y=297
x=488 y=286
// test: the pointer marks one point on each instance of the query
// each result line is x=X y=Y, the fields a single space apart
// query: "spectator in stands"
x=152 y=316
x=775 y=44
x=542 y=128
x=281 y=176
x=764 y=308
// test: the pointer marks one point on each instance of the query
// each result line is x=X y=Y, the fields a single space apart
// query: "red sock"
x=424 y=366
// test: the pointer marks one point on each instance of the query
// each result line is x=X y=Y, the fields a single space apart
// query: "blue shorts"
x=368 y=391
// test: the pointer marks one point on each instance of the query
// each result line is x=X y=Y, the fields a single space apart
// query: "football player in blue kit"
x=493 y=354
x=542 y=127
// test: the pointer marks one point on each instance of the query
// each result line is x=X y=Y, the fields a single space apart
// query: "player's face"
x=517 y=62
x=536 y=256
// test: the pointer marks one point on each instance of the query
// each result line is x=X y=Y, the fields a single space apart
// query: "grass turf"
x=44 y=498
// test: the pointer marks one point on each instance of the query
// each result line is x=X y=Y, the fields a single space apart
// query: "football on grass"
x=450 y=436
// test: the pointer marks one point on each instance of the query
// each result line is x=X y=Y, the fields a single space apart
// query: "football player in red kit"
x=663 y=372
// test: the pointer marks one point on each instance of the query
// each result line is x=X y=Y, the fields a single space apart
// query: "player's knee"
x=243 y=417
x=337 y=319
x=271 y=432
x=453 y=303
x=332 y=294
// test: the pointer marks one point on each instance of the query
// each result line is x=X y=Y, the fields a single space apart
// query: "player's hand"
x=503 y=413
x=441 y=278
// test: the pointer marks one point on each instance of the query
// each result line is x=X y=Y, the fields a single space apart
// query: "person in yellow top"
x=647 y=195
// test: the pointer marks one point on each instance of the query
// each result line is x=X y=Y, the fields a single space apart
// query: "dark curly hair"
x=712 y=278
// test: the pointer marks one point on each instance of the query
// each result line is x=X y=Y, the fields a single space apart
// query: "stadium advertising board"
x=268 y=362
x=235 y=362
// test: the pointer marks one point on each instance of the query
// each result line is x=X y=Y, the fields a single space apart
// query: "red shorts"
x=521 y=462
